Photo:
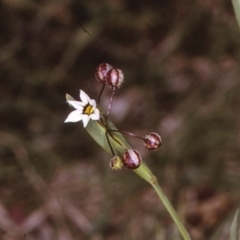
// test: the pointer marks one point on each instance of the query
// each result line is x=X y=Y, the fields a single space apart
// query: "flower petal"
x=76 y=104
x=92 y=102
x=74 y=116
x=95 y=115
x=84 y=97
x=85 y=119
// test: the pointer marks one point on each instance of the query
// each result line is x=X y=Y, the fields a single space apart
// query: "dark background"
x=181 y=65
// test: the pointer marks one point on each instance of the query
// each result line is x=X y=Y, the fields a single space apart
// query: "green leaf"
x=98 y=133
x=236 y=7
x=234 y=231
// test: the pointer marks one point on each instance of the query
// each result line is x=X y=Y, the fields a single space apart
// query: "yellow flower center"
x=88 y=109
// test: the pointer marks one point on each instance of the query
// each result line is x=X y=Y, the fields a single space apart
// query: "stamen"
x=88 y=109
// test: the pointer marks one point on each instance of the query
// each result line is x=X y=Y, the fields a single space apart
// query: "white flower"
x=85 y=110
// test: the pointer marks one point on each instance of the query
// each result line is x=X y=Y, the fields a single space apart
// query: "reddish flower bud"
x=132 y=159
x=152 y=141
x=102 y=71
x=114 y=77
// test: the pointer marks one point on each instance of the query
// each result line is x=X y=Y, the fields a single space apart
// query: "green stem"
x=171 y=210
x=144 y=172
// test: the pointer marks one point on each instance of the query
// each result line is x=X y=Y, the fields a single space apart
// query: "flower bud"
x=116 y=163
x=102 y=71
x=152 y=141
x=132 y=159
x=114 y=77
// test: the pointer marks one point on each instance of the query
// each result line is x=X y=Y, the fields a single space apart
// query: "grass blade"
x=234 y=231
x=236 y=7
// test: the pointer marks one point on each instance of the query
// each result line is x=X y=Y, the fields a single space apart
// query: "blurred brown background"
x=181 y=65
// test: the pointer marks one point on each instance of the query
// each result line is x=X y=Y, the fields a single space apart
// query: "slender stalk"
x=111 y=101
x=127 y=133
